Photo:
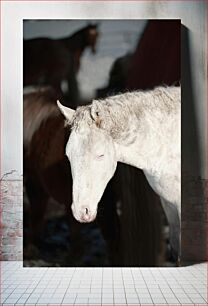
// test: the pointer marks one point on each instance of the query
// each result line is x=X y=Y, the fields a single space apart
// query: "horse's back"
x=39 y=104
x=43 y=125
x=44 y=144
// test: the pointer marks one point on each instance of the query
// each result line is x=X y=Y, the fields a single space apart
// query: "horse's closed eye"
x=100 y=156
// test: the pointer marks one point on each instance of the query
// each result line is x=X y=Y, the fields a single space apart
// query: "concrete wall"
x=11 y=220
x=194 y=80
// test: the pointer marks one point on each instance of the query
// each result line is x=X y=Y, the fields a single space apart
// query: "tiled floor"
x=107 y=286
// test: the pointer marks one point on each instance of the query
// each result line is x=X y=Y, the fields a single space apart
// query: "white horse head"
x=92 y=155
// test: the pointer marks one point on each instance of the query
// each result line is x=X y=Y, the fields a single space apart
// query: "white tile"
x=15 y=295
x=131 y=295
x=43 y=300
x=107 y=295
x=119 y=289
x=32 y=300
x=144 y=296
x=140 y=288
x=132 y=300
x=119 y=295
x=4 y=297
x=84 y=290
x=96 y=289
x=107 y=302
x=46 y=295
x=81 y=301
x=119 y=300
x=94 y=301
x=34 y=295
x=54 y=300
x=11 y=300
x=95 y=295
x=69 y=294
x=69 y=300
x=172 y=300
x=184 y=300
x=72 y=290
x=158 y=299
x=145 y=300
x=82 y=295
x=38 y=291
x=169 y=296
x=196 y=299
x=60 y=291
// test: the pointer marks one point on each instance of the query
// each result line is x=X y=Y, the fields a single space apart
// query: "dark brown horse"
x=54 y=61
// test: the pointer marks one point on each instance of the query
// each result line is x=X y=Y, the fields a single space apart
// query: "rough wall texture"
x=194 y=225
x=11 y=218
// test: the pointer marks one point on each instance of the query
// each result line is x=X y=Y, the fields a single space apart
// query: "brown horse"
x=54 y=61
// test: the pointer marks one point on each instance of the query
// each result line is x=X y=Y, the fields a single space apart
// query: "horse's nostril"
x=86 y=211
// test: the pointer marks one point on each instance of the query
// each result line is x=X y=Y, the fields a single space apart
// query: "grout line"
x=147 y=287
x=135 y=287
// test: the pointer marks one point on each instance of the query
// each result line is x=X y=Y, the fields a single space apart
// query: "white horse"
x=141 y=129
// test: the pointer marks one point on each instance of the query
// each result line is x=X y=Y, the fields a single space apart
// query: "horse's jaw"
x=129 y=155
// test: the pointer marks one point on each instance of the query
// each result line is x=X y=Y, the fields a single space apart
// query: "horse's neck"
x=153 y=145
x=137 y=149
x=148 y=131
x=75 y=42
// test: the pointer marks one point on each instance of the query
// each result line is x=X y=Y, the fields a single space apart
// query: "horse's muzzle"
x=83 y=214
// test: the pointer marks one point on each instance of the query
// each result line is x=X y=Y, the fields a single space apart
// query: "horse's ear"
x=95 y=114
x=94 y=24
x=66 y=111
x=97 y=24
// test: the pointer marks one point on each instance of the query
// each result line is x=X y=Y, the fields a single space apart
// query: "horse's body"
x=44 y=132
x=55 y=62
x=141 y=129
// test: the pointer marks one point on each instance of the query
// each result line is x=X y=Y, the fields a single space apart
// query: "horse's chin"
x=85 y=221
x=81 y=220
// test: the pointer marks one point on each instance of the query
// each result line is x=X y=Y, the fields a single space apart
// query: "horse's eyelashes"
x=100 y=156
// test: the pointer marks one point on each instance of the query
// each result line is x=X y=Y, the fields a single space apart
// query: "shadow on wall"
x=193 y=236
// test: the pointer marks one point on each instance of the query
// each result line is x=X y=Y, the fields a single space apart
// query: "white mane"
x=114 y=112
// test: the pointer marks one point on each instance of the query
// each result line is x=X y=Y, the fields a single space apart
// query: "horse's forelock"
x=82 y=118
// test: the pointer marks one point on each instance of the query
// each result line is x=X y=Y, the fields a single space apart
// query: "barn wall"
x=194 y=80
